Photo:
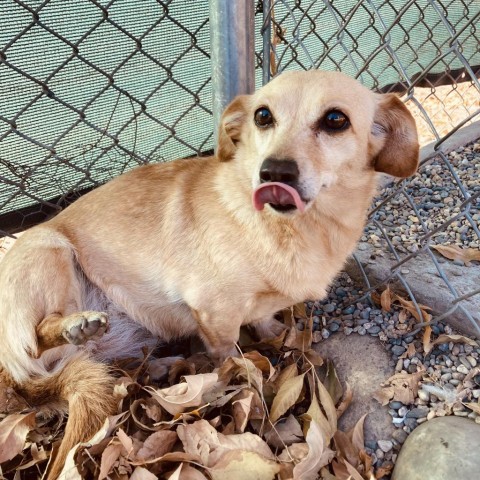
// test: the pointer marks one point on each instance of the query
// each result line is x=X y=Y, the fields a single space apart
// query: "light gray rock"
x=363 y=362
x=445 y=448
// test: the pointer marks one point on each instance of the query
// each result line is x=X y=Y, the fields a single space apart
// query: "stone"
x=445 y=448
x=363 y=362
x=385 y=445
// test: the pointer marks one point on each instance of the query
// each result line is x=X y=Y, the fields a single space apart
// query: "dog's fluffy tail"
x=84 y=387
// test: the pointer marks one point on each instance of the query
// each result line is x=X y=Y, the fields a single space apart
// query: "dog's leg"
x=268 y=328
x=219 y=338
x=77 y=328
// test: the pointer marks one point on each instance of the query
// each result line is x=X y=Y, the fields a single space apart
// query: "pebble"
x=399 y=436
x=329 y=308
x=397 y=350
x=385 y=445
x=418 y=412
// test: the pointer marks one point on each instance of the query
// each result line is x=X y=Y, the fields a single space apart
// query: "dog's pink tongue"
x=278 y=194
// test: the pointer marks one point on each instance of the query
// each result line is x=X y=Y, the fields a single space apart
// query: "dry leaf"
x=109 y=456
x=156 y=445
x=327 y=403
x=427 y=340
x=178 y=398
x=455 y=339
x=315 y=413
x=299 y=310
x=386 y=299
x=345 y=450
x=141 y=473
x=242 y=368
x=300 y=339
x=454 y=252
x=244 y=465
x=402 y=387
x=261 y=362
x=286 y=374
x=13 y=432
x=474 y=407
x=286 y=397
x=241 y=407
x=318 y=455
x=410 y=352
x=355 y=475
x=201 y=439
x=285 y=433
x=346 y=401
x=332 y=383
x=356 y=434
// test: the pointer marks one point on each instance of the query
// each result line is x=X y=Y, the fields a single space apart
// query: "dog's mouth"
x=279 y=196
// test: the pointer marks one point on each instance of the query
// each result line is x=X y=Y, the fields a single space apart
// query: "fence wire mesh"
x=430 y=52
x=93 y=88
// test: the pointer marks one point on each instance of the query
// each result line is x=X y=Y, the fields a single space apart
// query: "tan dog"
x=199 y=246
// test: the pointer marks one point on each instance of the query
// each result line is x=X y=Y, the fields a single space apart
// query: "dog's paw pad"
x=84 y=326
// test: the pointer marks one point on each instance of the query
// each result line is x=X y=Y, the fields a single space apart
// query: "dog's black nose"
x=274 y=170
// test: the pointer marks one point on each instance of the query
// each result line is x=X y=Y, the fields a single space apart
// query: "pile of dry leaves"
x=271 y=413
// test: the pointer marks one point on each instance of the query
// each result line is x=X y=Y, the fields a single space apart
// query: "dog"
x=199 y=246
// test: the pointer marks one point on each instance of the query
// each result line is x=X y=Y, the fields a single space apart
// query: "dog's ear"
x=394 y=140
x=230 y=127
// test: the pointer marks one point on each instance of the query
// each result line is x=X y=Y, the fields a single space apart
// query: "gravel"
x=445 y=388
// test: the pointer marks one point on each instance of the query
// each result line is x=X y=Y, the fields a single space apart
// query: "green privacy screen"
x=89 y=89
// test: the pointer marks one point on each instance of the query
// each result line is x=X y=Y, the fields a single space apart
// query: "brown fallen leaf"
x=186 y=472
x=242 y=406
x=474 y=407
x=402 y=387
x=261 y=362
x=109 y=457
x=300 y=339
x=244 y=465
x=315 y=413
x=410 y=352
x=177 y=398
x=455 y=339
x=454 y=252
x=141 y=473
x=386 y=299
x=285 y=433
x=202 y=440
x=286 y=397
x=156 y=445
x=356 y=434
x=332 y=383
x=241 y=368
x=346 y=401
x=13 y=433
x=318 y=455
x=427 y=340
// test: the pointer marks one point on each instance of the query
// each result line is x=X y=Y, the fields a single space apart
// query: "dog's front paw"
x=78 y=328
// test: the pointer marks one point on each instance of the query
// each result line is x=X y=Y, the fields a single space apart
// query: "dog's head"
x=309 y=133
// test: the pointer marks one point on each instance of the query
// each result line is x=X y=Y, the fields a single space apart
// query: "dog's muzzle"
x=278 y=186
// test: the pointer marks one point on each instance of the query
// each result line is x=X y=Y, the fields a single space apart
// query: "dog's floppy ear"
x=394 y=138
x=231 y=127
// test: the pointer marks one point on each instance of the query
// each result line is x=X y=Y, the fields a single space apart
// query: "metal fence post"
x=232 y=30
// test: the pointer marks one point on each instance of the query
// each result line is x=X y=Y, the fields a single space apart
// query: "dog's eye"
x=263 y=117
x=335 y=120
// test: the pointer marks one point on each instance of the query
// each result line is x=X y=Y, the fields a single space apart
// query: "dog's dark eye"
x=335 y=120
x=263 y=117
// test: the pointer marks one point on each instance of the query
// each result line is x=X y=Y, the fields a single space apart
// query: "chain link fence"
x=428 y=51
x=92 y=88
x=89 y=89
